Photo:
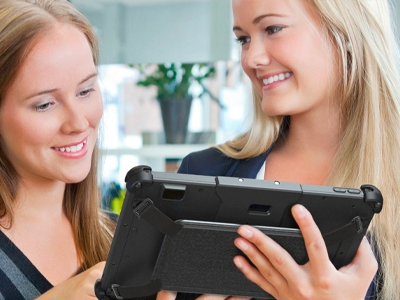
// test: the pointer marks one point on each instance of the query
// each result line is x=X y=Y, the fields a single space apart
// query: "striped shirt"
x=19 y=278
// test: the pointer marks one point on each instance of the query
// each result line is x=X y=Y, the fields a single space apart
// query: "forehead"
x=57 y=44
x=249 y=10
x=61 y=55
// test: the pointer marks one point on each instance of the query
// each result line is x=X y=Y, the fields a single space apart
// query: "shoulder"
x=210 y=162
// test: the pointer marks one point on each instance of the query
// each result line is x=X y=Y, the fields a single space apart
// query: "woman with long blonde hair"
x=326 y=85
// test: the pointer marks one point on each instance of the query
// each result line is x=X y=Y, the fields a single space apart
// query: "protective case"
x=176 y=231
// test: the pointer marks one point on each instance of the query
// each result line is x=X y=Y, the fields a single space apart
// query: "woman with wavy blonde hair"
x=53 y=236
x=326 y=106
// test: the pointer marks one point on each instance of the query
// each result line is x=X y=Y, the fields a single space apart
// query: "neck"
x=314 y=134
x=40 y=200
x=306 y=153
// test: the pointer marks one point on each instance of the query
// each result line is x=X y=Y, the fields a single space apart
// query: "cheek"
x=21 y=135
x=95 y=112
x=322 y=71
x=13 y=125
x=313 y=54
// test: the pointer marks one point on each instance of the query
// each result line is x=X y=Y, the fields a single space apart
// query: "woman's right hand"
x=275 y=271
x=79 y=287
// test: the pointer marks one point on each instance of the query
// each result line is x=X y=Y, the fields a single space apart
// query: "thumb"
x=364 y=263
x=166 y=295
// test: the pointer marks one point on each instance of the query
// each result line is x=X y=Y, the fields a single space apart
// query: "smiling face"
x=49 y=116
x=286 y=54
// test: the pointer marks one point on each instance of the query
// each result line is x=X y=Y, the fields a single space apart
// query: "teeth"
x=72 y=148
x=275 y=78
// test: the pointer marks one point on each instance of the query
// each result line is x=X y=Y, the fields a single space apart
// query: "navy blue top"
x=19 y=278
x=212 y=162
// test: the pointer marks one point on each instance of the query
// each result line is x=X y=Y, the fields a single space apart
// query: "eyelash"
x=242 y=40
x=86 y=92
x=45 y=106
x=273 y=29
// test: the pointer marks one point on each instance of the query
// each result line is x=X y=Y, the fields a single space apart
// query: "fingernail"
x=242 y=245
x=238 y=263
x=245 y=232
x=300 y=211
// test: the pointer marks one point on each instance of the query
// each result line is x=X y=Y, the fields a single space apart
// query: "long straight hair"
x=369 y=152
x=22 y=22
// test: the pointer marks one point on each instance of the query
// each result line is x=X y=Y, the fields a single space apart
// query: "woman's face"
x=50 y=115
x=286 y=54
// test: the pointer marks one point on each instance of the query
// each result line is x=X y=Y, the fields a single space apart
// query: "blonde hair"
x=22 y=22
x=369 y=152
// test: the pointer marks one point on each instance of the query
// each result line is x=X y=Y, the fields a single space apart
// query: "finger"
x=237 y=298
x=97 y=270
x=100 y=266
x=92 y=275
x=313 y=240
x=254 y=275
x=277 y=256
x=166 y=295
x=212 y=297
x=364 y=264
x=263 y=265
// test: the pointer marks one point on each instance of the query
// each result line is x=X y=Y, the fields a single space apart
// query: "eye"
x=43 y=107
x=242 y=40
x=273 y=29
x=86 y=93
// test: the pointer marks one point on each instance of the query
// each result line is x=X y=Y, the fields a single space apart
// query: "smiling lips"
x=275 y=78
x=72 y=149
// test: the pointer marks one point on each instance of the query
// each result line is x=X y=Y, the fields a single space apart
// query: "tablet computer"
x=176 y=231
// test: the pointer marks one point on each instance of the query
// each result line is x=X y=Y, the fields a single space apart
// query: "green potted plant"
x=173 y=82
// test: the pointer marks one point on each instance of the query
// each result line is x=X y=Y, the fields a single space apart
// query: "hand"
x=79 y=287
x=278 y=274
x=166 y=295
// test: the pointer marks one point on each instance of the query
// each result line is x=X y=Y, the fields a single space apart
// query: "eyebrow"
x=258 y=20
x=56 y=89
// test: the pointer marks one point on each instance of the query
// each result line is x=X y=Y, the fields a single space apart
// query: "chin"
x=76 y=178
x=278 y=108
x=72 y=181
x=271 y=108
x=272 y=111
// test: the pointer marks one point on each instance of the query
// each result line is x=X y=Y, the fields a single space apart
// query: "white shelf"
x=155 y=155
x=157 y=151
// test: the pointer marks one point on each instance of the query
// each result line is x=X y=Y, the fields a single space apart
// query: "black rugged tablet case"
x=176 y=231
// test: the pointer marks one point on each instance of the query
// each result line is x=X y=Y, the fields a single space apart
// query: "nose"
x=256 y=55
x=74 y=120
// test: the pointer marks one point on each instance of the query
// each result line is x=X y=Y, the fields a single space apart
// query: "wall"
x=161 y=31
x=396 y=6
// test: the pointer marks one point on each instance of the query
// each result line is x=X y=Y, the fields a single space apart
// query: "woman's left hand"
x=278 y=274
x=167 y=295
